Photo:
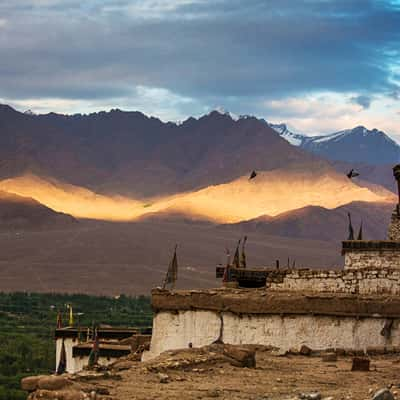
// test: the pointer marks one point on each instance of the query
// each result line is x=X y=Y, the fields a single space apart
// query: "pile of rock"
x=61 y=388
x=188 y=359
x=83 y=386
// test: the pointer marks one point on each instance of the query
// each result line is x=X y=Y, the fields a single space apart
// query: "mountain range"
x=128 y=153
x=357 y=145
x=181 y=180
x=137 y=164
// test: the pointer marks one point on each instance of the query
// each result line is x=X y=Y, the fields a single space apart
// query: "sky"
x=319 y=66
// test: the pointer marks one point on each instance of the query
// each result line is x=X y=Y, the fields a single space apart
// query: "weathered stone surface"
x=123 y=365
x=53 y=383
x=30 y=383
x=360 y=364
x=383 y=394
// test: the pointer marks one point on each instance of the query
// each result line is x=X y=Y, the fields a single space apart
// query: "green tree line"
x=28 y=320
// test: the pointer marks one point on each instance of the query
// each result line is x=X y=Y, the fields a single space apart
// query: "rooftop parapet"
x=259 y=301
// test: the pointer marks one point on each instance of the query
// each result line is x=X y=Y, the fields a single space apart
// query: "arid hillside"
x=113 y=258
x=320 y=223
x=17 y=212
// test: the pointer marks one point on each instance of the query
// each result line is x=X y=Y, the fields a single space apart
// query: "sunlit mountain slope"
x=270 y=193
x=74 y=200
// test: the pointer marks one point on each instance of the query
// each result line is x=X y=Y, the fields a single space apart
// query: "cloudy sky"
x=319 y=65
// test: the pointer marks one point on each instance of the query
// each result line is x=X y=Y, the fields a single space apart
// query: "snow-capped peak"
x=222 y=111
x=296 y=139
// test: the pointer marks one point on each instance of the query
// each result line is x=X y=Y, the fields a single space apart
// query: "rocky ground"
x=227 y=372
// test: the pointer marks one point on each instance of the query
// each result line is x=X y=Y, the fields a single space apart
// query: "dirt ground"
x=274 y=377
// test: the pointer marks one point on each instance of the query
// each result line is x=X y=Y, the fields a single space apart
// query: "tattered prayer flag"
x=59 y=320
x=360 y=232
x=243 y=260
x=94 y=353
x=172 y=273
x=351 y=230
x=236 y=260
x=71 y=316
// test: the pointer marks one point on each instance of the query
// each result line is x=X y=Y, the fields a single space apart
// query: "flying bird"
x=252 y=175
x=352 y=174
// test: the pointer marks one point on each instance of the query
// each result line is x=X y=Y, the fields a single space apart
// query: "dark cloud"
x=215 y=51
x=362 y=100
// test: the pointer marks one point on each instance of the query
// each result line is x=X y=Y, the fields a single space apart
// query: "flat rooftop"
x=262 y=301
x=104 y=333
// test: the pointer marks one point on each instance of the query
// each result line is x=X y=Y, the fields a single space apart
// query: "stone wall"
x=372 y=259
x=394 y=228
x=360 y=254
x=371 y=281
x=175 y=330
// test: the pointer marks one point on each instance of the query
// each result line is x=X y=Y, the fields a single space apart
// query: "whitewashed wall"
x=76 y=364
x=69 y=344
x=177 y=330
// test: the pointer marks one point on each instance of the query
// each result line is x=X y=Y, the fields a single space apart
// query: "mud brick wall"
x=367 y=281
x=394 y=228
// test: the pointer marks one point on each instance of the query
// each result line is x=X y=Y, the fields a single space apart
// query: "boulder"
x=163 y=378
x=30 y=383
x=305 y=350
x=310 y=396
x=53 y=382
x=383 y=394
x=43 y=394
x=243 y=357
